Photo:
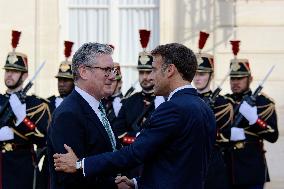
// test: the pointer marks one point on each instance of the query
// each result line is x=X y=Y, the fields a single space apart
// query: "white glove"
x=18 y=108
x=237 y=134
x=249 y=112
x=6 y=133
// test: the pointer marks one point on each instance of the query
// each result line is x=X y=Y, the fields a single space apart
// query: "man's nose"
x=112 y=76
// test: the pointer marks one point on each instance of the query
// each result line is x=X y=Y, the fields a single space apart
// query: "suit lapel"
x=92 y=116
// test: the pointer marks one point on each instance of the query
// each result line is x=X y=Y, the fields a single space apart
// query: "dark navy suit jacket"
x=175 y=147
x=76 y=124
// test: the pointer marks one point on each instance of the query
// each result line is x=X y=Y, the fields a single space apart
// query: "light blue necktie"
x=107 y=127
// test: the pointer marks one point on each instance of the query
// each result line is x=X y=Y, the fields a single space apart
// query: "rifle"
x=130 y=90
x=212 y=98
x=6 y=112
x=250 y=99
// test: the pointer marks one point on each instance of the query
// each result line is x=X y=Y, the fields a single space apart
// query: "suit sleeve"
x=162 y=130
x=66 y=129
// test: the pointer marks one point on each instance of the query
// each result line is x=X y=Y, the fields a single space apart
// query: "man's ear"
x=25 y=76
x=171 y=69
x=250 y=79
x=211 y=76
x=83 y=72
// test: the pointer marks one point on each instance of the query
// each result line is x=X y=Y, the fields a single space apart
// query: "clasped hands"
x=67 y=163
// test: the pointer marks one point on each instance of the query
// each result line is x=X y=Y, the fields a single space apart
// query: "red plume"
x=235 y=47
x=68 y=48
x=203 y=36
x=144 y=37
x=15 y=38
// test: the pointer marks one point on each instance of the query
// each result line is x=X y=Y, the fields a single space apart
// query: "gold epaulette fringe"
x=226 y=109
x=269 y=110
x=43 y=108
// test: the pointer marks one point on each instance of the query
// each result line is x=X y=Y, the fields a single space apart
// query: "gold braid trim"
x=19 y=134
x=268 y=130
x=122 y=135
x=223 y=139
x=270 y=108
x=49 y=116
x=43 y=107
x=35 y=133
x=250 y=133
x=227 y=109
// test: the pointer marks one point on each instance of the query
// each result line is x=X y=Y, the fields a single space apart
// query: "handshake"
x=124 y=183
x=67 y=163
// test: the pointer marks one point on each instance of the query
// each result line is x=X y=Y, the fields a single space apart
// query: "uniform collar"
x=239 y=96
x=206 y=94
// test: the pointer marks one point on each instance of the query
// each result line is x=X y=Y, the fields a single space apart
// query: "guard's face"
x=101 y=76
x=145 y=81
x=201 y=79
x=159 y=77
x=65 y=86
x=11 y=78
x=240 y=84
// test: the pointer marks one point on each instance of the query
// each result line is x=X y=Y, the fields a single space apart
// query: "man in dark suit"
x=80 y=120
x=176 y=144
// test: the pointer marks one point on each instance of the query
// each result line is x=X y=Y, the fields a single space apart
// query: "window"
x=114 y=22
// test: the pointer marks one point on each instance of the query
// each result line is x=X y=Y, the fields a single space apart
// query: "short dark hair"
x=182 y=57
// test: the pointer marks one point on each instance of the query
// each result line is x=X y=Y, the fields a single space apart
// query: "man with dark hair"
x=176 y=143
x=247 y=156
x=80 y=121
x=23 y=124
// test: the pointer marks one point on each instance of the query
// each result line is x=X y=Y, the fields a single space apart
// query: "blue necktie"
x=107 y=127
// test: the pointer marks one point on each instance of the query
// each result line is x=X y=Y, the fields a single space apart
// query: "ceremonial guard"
x=23 y=123
x=65 y=85
x=65 y=78
x=113 y=103
x=136 y=108
x=217 y=173
x=255 y=120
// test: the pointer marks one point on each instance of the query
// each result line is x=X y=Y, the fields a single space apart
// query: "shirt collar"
x=178 y=89
x=94 y=103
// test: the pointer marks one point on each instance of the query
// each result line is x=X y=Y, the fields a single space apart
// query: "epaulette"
x=131 y=96
x=228 y=97
x=224 y=110
x=266 y=96
x=42 y=99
